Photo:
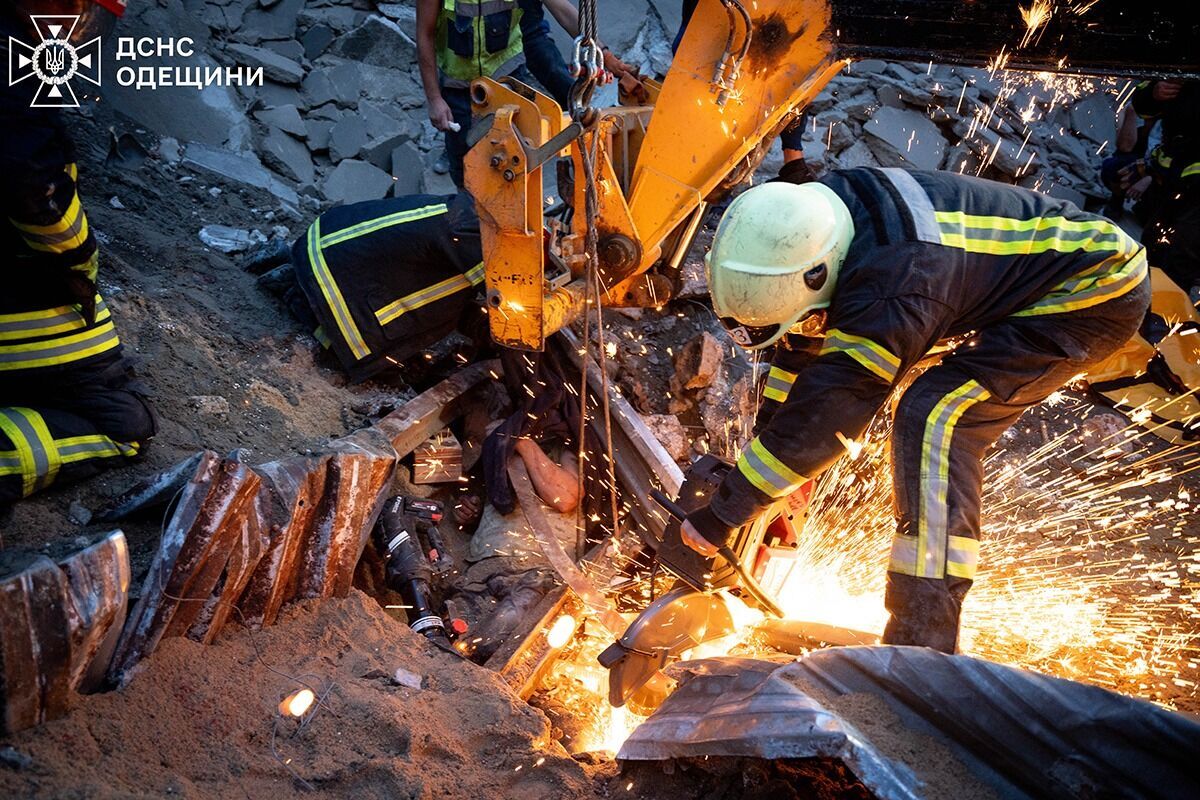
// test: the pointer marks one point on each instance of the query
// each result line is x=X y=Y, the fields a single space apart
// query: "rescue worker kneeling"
x=870 y=268
x=381 y=280
x=68 y=407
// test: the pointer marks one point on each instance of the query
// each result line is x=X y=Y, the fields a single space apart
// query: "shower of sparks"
x=1089 y=567
x=1035 y=18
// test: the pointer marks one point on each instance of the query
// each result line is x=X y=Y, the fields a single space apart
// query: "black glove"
x=711 y=527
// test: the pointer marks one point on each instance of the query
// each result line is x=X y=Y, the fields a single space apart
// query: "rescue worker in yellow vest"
x=856 y=277
x=461 y=40
x=67 y=405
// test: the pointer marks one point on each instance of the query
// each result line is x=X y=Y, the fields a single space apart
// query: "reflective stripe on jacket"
x=935 y=255
x=387 y=278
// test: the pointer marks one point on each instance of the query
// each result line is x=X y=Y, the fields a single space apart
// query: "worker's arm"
x=792 y=356
x=1151 y=98
x=427 y=17
x=830 y=403
x=565 y=13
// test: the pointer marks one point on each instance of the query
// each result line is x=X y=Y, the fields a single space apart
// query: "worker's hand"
x=1138 y=189
x=440 y=114
x=1165 y=91
x=628 y=79
x=692 y=538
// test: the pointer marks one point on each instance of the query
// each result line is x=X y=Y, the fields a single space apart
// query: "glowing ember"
x=561 y=631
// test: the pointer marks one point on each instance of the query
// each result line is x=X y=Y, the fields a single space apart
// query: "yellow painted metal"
x=508 y=197
x=693 y=142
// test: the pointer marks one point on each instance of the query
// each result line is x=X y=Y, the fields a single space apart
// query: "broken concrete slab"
x=338 y=18
x=289 y=48
x=408 y=169
x=1006 y=155
x=696 y=365
x=353 y=181
x=274 y=66
x=318 y=88
x=379 y=151
x=287 y=156
x=316 y=40
x=903 y=137
x=224 y=239
x=1094 y=118
x=272 y=94
x=378 y=40
x=670 y=433
x=240 y=167
x=276 y=22
x=347 y=138
x=379 y=123
x=286 y=118
x=856 y=155
x=347 y=79
x=316 y=133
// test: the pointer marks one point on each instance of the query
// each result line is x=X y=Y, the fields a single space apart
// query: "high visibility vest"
x=478 y=39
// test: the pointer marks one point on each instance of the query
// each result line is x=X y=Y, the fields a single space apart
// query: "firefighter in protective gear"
x=879 y=265
x=68 y=406
x=383 y=279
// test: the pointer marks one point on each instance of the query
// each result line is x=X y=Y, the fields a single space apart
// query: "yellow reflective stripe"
x=476 y=274
x=1090 y=289
x=1008 y=236
x=333 y=295
x=766 y=472
x=89 y=268
x=876 y=358
x=50 y=322
x=27 y=463
x=62 y=350
x=1190 y=170
x=372 y=225
x=322 y=337
x=72 y=171
x=779 y=383
x=45 y=442
x=71 y=227
x=411 y=302
x=962 y=557
x=83 y=448
x=932 y=520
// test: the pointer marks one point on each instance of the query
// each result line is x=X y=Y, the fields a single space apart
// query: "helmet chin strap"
x=812 y=325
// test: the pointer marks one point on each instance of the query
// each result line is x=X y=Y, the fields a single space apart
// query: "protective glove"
x=704 y=532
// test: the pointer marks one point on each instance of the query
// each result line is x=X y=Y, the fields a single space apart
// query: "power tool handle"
x=670 y=505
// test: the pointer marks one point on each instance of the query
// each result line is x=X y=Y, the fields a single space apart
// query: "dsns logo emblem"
x=54 y=61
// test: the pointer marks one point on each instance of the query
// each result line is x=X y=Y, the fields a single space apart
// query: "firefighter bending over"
x=857 y=277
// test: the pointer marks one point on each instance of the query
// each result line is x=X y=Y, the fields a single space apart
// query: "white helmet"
x=775 y=259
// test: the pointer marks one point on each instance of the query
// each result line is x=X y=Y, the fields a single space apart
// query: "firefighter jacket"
x=478 y=39
x=1178 y=156
x=51 y=317
x=934 y=255
x=386 y=278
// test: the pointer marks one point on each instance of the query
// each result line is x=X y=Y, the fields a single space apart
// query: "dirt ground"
x=201 y=722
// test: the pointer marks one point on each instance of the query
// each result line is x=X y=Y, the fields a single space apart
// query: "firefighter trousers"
x=67 y=424
x=944 y=424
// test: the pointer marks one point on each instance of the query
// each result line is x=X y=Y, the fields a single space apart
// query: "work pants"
x=68 y=423
x=945 y=423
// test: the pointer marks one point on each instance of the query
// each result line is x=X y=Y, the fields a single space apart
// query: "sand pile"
x=196 y=722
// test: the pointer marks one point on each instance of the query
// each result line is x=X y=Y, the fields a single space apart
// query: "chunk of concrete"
x=408 y=169
x=318 y=88
x=316 y=133
x=1007 y=155
x=239 y=167
x=379 y=151
x=276 y=94
x=856 y=155
x=902 y=137
x=338 y=18
x=277 y=22
x=287 y=156
x=670 y=434
x=289 y=48
x=353 y=181
x=347 y=138
x=286 y=118
x=274 y=66
x=378 y=40
x=316 y=40
x=347 y=81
